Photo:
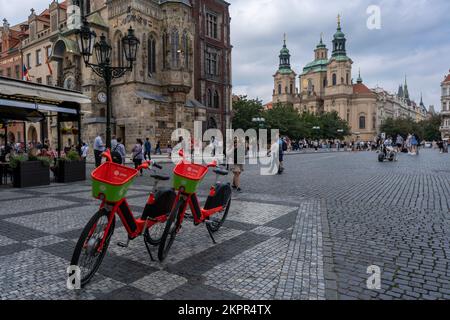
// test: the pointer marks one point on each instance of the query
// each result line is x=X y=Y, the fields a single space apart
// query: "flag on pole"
x=26 y=76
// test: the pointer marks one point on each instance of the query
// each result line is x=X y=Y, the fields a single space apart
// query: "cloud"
x=413 y=40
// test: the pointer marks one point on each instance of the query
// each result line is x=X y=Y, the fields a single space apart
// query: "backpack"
x=116 y=156
x=285 y=146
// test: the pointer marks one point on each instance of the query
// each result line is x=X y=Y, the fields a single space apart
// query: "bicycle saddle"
x=221 y=172
x=160 y=177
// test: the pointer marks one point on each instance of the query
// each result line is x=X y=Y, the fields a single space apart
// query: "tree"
x=244 y=111
x=425 y=130
x=286 y=119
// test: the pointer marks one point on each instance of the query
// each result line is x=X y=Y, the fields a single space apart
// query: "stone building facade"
x=326 y=85
x=445 y=99
x=168 y=86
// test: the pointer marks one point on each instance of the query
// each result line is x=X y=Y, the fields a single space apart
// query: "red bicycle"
x=110 y=183
x=187 y=177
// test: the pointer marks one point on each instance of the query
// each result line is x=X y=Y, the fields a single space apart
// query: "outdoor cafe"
x=25 y=102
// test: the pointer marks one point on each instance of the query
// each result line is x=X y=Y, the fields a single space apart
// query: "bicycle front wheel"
x=170 y=231
x=88 y=255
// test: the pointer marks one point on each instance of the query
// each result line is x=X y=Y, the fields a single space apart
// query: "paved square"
x=308 y=234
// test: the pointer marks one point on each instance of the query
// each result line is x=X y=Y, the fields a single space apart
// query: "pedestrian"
x=118 y=153
x=84 y=151
x=158 y=148
x=113 y=142
x=282 y=148
x=237 y=168
x=414 y=144
x=99 y=148
x=147 y=149
x=138 y=154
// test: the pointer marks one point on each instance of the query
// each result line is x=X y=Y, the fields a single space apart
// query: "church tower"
x=284 y=79
x=339 y=74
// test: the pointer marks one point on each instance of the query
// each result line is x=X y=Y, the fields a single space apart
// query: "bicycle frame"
x=200 y=215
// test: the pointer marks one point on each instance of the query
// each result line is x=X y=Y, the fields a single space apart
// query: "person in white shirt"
x=99 y=148
x=84 y=151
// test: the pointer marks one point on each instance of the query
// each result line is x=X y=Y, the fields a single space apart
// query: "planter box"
x=70 y=171
x=31 y=174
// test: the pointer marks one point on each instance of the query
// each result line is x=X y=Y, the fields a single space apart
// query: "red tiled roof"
x=361 y=88
x=447 y=79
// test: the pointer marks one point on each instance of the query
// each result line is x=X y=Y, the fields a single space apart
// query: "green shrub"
x=46 y=161
x=15 y=160
x=72 y=156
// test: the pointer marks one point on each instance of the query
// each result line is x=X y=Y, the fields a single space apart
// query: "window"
x=49 y=80
x=119 y=51
x=324 y=82
x=38 y=57
x=362 y=122
x=279 y=89
x=346 y=78
x=209 y=102
x=216 y=100
x=48 y=52
x=54 y=22
x=102 y=112
x=151 y=55
x=211 y=63
x=334 y=79
x=165 y=44
x=29 y=61
x=186 y=49
x=211 y=25
x=374 y=122
x=175 y=53
x=348 y=116
x=39 y=80
x=291 y=90
x=17 y=71
x=8 y=73
x=310 y=86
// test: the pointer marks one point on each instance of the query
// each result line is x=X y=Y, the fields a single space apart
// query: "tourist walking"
x=399 y=142
x=237 y=167
x=138 y=154
x=99 y=148
x=147 y=149
x=119 y=154
x=158 y=148
x=84 y=151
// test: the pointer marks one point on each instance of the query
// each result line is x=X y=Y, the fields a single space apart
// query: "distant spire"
x=321 y=38
x=359 y=80
x=284 y=40
x=339 y=21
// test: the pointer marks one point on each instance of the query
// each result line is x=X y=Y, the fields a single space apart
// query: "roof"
x=186 y=2
x=447 y=79
x=316 y=66
x=361 y=88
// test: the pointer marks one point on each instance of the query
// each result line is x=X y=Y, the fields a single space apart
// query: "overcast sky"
x=414 y=39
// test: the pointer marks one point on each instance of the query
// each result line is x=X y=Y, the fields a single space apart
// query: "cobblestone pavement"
x=308 y=234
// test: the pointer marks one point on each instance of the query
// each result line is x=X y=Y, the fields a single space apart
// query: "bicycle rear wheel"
x=218 y=219
x=170 y=231
x=86 y=254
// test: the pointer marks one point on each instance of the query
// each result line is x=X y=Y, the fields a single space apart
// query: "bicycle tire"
x=151 y=239
x=170 y=231
x=214 y=227
x=81 y=244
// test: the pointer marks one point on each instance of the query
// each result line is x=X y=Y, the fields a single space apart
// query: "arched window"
x=374 y=121
x=151 y=55
x=175 y=48
x=119 y=51
x=165 y=42
x=362 y=121
x=209 y=99
x=342 y=80
x=348 y=115
x=334 y=79
x=346 y=78
x=291 y=89
x=216 y=100
x=324 y=82
x=186 y=49
x=279 y=89
x=310 y=86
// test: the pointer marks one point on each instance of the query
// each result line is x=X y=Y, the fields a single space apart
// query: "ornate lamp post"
x=102 y=50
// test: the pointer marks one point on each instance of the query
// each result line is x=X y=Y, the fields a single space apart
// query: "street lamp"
x=259 y=121
x=103 y=68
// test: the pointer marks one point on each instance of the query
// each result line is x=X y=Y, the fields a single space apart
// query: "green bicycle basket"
x=188 y=176
x=111 y=181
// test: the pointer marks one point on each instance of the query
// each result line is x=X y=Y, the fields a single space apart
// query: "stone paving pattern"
x=308 y=234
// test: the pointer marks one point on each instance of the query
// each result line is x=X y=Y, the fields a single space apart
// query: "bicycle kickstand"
x=148 y=250
x=208 y=227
